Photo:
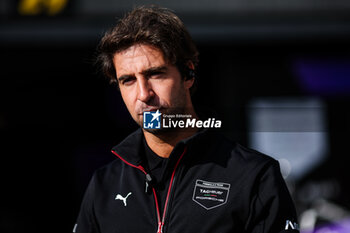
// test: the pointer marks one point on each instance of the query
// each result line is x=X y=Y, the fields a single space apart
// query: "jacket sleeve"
x=271 y=208
x=86 y=221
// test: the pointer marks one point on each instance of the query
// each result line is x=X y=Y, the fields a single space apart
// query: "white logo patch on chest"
x=120 y=197
x=210 y=195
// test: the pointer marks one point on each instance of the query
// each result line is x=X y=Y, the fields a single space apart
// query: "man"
x=174 y=179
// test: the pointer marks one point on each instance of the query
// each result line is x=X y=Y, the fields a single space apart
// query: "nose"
x=145 y=92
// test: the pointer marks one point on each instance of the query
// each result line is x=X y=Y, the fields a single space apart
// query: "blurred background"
x=277 y=72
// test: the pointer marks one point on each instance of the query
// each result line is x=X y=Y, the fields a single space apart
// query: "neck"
x=163 y=143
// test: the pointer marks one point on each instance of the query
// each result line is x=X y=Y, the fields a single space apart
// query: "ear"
x=190 y=65
x=189 y=81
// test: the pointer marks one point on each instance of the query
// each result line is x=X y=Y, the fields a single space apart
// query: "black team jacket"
x=212 y=186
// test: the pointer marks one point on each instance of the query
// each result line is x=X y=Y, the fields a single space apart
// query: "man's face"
x=147 y=82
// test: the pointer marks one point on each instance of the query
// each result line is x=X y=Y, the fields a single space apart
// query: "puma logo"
x=120 y=197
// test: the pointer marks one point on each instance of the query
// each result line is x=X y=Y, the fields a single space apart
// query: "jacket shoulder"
x=108 y=171
x=240 y=155
x=251 y=155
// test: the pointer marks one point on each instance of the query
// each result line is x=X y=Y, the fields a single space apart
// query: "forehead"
x=138 y=57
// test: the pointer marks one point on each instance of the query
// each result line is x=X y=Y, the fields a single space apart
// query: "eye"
x=127 y=81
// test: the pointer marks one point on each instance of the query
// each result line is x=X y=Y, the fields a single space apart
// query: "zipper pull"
x=149 y=181
x=160 y=227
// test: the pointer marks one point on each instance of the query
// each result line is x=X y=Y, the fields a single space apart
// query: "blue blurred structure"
x=286 y=62
x=324 y=76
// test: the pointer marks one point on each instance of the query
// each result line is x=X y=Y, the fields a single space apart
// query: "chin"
x=139 y=120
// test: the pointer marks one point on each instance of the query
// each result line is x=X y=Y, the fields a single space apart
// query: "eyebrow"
x=153 y=70
x=146 y=73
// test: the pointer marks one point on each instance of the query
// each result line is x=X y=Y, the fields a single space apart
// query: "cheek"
x=166 y=92
x=174 y=94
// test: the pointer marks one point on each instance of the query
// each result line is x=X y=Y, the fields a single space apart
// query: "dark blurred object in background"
x=277 y=72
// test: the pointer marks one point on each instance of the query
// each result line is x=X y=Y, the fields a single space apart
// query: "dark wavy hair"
x=155 y=26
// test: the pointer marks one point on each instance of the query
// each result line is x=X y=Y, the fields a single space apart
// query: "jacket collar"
x=130 y=148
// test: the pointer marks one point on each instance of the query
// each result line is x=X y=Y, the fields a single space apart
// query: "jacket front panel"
x=119 y=203
x=218 y=187
x=194 y=203
x=213 y=189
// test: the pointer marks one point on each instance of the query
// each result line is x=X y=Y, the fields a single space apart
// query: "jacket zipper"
x=161 y=221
